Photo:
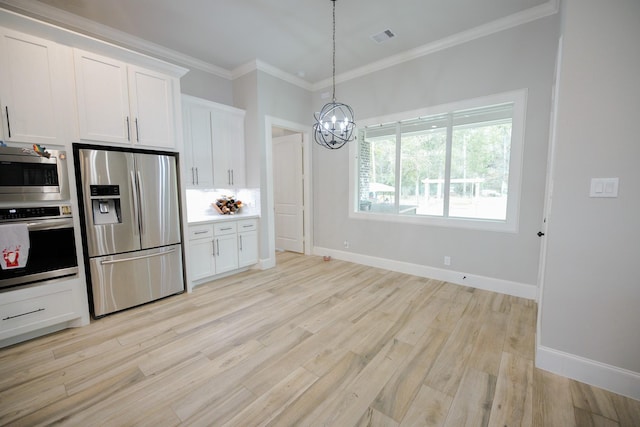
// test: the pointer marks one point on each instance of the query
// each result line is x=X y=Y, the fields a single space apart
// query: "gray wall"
x=591 y=289
x=522 y=57
x=208 y=86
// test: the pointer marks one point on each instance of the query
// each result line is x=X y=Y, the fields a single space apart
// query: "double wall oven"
x=34 y=193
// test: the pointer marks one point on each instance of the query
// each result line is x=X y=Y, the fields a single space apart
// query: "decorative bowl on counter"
x=227 y=205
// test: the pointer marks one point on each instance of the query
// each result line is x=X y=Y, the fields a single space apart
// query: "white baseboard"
x=480 y=282
x=267 y=263
x=614 y=379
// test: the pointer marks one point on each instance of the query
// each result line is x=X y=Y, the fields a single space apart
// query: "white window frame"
x=510 y=225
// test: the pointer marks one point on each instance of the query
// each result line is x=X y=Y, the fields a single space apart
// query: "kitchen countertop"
x=208 y=217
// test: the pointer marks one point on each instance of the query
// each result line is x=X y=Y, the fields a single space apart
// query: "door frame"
x=548 y=194
x=270 y=123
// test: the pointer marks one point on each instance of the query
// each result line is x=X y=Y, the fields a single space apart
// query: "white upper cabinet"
x=103 y=98
x=31 y=89
x=198 y=147
x=151 y=99
x=228 y=148
x=122 y=103
x=214 y=144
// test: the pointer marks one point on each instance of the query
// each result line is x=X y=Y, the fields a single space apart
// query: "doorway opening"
x=289 y=192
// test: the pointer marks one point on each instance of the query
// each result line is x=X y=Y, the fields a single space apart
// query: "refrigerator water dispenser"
x=105 y=204
x=106 y=211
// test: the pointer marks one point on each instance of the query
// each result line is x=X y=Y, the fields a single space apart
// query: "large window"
x=457 y=166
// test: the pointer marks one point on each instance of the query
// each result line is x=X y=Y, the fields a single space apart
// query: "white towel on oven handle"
x=14 y=246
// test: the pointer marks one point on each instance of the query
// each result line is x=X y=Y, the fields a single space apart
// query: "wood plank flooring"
x=308 y=343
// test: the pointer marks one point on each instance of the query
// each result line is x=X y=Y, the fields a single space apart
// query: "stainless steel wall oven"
x=52 y=252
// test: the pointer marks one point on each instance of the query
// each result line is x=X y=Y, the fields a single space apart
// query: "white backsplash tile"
x=199 y=201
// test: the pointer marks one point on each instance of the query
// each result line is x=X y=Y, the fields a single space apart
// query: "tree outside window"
x=451 y=165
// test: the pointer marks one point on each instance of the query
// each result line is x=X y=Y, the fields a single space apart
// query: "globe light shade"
x=334 y=125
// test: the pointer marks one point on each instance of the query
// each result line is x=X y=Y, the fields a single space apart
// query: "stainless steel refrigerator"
x=131 y=221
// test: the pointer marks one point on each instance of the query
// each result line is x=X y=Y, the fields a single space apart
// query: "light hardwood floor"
x=308 y=343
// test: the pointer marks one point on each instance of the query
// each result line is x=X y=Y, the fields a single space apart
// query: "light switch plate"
x=604 y=187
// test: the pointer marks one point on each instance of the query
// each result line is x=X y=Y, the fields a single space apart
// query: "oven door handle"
x=50 y=224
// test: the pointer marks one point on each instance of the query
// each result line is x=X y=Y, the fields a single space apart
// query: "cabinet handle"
x=240 y=242
x=247 y=226
x=23 y=314
x=197 y=177
x=193 y=179
x=128 y=130
x=137 y=131
x=226 y=228
x=232 y=180
x=6 y=109
x=229 y=176
x=218 y=245
x=200 y=232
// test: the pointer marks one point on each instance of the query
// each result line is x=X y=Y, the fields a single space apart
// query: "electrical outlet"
x=346 y=244
x=447 y=260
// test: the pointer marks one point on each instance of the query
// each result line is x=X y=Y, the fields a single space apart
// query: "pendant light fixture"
x=334 y=123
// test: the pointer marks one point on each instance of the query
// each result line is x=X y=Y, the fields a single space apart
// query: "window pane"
x=422 y=160
x=480 y=152
x=377 y=169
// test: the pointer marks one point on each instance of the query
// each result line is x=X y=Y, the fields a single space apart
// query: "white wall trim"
x=617 y=380
x=272 y=71
x=267 y=263
x=459 y=278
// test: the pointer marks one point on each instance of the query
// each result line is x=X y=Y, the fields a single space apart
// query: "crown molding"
x=85 y=26
x=511 y=21
x=259 y=65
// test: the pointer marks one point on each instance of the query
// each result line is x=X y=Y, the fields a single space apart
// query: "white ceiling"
x=293 y=36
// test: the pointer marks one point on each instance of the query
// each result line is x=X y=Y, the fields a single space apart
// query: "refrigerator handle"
x=136 y=207
x=140 y=198
x=134 y=258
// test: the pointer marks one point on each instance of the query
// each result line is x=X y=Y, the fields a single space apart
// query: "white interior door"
x=288 y=193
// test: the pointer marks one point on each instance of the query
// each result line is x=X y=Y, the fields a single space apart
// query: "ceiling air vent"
x=383 y=36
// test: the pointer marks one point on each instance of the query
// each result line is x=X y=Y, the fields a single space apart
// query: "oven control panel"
x=12 y=214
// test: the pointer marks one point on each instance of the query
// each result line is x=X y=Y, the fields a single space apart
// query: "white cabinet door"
x=202 y=261
x=103 y=98
x=121 y=103
x=29 y=82
x=151 y=103
x=235 y=140
x=226 y=253
x=198 y=146
x=247 y=248
x=228 y=148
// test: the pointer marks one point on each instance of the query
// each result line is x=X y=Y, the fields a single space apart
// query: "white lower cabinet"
x=201 y=262
x=30 y=309
x=247 y=242
x=226 y=246
x=222 y=247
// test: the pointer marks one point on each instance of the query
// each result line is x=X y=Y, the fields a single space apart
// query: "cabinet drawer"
x=247 y=225
x=201 y=232
x=224 y=228
x=38 y=311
